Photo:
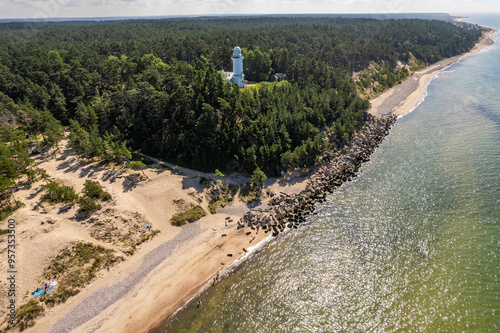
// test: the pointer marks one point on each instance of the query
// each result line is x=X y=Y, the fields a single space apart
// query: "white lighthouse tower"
x=238 y=75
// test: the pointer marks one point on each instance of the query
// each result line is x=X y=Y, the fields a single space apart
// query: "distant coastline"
x=402 y=98
x=395 y=102
x=381 y=16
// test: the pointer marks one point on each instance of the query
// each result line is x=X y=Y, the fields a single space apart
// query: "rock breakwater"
x=289 y=211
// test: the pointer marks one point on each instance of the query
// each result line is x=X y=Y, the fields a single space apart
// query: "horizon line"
x=134 y=17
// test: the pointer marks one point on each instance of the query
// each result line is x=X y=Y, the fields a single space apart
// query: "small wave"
x=424 y=96
x=252 y=250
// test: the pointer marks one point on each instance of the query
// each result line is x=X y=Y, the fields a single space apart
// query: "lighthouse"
x=237 y=58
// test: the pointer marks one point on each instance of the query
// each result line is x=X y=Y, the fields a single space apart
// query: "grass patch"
x=4 y=232
x=57 y=193
x=121 y=230
x=8 y=210
x=418 y=67
x=216 y=205
x=190 y=215
x=27 y=313
x=76 y=267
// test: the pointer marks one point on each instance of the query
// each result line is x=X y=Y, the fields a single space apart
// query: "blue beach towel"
x=38 y=293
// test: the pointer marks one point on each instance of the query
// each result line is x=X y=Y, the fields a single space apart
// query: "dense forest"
x=156 y=86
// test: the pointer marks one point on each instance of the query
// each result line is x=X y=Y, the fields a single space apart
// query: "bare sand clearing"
x=163 y=273
x=403 y=97
x=178 y=263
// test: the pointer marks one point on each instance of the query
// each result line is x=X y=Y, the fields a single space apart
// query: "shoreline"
x=179 y=264
x=408 y=104
x=292 y=210
x=403 y=98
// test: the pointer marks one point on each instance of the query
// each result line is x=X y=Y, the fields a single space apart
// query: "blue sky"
x=95 y=8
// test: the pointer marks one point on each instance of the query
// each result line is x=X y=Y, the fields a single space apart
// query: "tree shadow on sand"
x=65 y=154
x=289 y=178
x=111 y=175
x=192 y=182
x=34 y=194
x=254 y=203
x=130 y=182
x=70 y=165
x=90 y=170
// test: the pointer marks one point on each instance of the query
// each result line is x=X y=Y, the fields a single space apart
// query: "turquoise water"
x=411 y=245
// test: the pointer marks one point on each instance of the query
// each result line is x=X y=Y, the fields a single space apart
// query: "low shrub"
x=8 y=210
x=95 y=191
x=57 y=193
x=192 y=214
x=136 y=165
x=88 y=205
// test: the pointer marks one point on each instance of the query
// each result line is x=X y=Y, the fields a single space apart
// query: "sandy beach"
x=402 y=98
x=165 y=272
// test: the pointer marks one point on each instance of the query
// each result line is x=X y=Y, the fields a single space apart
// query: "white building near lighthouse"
x=237 y=74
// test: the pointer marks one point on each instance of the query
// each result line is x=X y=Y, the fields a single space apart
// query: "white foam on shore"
x=228 y=269
x=250 y=252
x=426 y=93
x=424 y=96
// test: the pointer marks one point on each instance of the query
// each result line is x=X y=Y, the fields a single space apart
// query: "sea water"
x=411 y=245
